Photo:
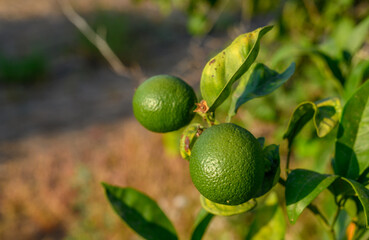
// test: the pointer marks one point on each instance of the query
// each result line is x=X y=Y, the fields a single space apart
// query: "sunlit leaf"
x=140 y=212
x=325 y=115
x=201 y=223
x=263 y=81
x=355 y=78
x=358 y=36
x=237 y=92
x=352 y=144
x=226 y=210
x=228 y=66
x=302 y=187
x=269 y=221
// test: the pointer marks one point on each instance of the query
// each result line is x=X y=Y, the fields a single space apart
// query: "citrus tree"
x=231 y=168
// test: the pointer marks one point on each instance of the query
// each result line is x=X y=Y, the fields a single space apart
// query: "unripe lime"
x=226 y=164
x=164 y=103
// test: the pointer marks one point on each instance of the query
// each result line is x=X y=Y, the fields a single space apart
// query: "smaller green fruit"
x=164 y=103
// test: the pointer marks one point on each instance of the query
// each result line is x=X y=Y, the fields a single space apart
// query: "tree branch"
x=94 y=38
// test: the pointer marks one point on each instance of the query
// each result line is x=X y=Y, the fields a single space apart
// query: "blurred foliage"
x=28 y=69
x=118 y=33
x=127 y=35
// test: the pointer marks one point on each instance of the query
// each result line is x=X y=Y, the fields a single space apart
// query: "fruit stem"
x=288 y=158
x=209 y=118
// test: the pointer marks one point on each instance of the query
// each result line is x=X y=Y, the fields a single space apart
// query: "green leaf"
x=269 y=221
x=228 y=66
x=363 y=195
x=333 y=65
x=226 y=210
x=188 y=139
x=355 y=210
x=201 y=223
x=261 y=140
x=364 y=177
x=356 y=77
x=352 y=144
x=302 y=187
x=284 y=53
x=358 y=36
x=351 y=207
x=238 y=92
x=341 y=189
x=140 y=212
x=325 y=114
x=263 y=81
x=272 y=173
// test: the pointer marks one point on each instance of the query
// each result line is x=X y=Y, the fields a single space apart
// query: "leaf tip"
x=268 y=27
x=293 y=65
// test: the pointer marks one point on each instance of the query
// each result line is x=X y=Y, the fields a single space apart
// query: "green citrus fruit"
x=226 y=164
x=164 y=103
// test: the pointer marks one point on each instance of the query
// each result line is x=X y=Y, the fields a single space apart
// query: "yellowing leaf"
x=228 y=66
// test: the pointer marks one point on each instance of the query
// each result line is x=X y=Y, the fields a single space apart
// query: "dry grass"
x=53 y=185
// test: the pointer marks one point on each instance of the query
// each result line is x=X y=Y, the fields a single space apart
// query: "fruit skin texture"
x=164 y=103
x=226 y=164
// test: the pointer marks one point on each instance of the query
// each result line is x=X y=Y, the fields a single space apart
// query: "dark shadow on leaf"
x=340 y=131
x=364 y=177
x=326 y=112
x=346 y=162
x=341 y=187
x=301 y=183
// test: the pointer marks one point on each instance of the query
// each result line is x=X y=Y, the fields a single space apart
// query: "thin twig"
x=214 y=19
x=336 y=214
x=340 y=205
x=94 y=38
x=312 y=10
x=282 y=182
x=288 y=158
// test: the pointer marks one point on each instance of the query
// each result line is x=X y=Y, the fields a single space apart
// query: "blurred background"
x=66 y=121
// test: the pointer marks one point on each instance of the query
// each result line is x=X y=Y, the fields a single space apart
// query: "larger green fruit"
x=227 y=165
x=164 y=103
